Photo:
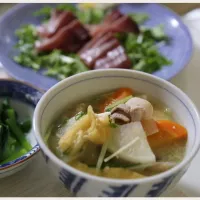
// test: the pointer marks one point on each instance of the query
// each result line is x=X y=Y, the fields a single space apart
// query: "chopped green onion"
x=116 y=103
x=79 y=115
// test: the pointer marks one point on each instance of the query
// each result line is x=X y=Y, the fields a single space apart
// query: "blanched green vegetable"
x=10 y=146
x=26 y=126
x=5 y=104
x=14 y=156
x=13 y=142
x=3 y=140
x=18 y=133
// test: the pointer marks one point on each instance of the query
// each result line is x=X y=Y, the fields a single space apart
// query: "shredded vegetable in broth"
x=136 y=137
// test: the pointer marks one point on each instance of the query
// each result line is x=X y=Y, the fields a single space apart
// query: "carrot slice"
x=122 y=93
x=117 y=95
x=168 y=133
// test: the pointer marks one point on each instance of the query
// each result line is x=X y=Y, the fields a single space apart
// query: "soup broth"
x=119 y=140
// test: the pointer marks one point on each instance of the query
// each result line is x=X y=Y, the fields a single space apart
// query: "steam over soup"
x=123 y=134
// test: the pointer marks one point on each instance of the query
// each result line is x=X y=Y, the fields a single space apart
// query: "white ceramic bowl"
x=23 y=99
x=94 y=82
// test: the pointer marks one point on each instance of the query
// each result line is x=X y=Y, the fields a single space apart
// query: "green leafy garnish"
x=62 y=65
x=112 y=124
x=67 y=7
x=45 y=12
x=91 y=15
x=86 y=16
x=116 y=164
x=139 y=18
x=27 y=36
x=79 y=115
x=116 y=103
x=143 y=51
x=156 y=33
x=56 y=63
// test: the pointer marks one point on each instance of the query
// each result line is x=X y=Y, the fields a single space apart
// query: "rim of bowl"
x=35 y=149
x=65 y=166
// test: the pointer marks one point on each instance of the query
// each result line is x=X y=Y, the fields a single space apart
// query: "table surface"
x=36 y=179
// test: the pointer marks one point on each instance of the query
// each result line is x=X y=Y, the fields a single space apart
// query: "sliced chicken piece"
x=121 y=108
x=120 y=114
x=140 y=109
x=119 y=118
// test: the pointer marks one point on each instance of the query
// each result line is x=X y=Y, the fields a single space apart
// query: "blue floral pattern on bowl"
x=160 y=187
x=118 y=191
x=71 y=181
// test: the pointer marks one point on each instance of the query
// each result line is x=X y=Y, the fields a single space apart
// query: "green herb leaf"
x=139 y=18
x=45 y=12
x=143 y=51
x=86 y=16
x=91 y=15
x=112 y=124
x=67 y=7
x=79 y=115
x=116 y=103
x=56 y=63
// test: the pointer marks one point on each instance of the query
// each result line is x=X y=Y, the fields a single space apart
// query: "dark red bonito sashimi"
x=96 y=44
x=115 y=22
x=104 y=51
x=69 y=38
x=58 y=20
